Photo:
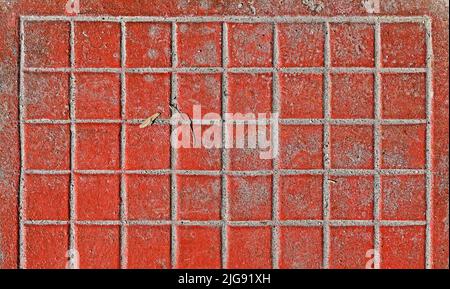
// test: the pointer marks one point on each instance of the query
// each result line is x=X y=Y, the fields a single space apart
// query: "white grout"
x=326 y=146
x=312 y=70
x=377 y=144
x=232 y=19
x=123 y=192
x=224 y=155
x=337 y=172
x=173 y=151
x=21 y=197
x=284 y=223
x=275 y=160
x=429 y=135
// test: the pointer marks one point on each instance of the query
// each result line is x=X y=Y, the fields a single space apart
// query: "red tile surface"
x=301 y=96
x=98 y=44
x=47 y=45
x=148 y=247
x=199 y=198
x=54 y=140
x=301 y=247
x=363 y=135
x=97 y=197
x=403 y=45
x=250 y=45
x=98 y=247
x=351 y=198
x=148 y=45
x=349 y=247
x=352 y=96
x=46 y=247
x=301 y=45
x=148 y=197
x=402 y=247
x=199 y=247
x=352 y=45
x=97 y=96
x=199 y=44
x=301 y=197
x=249 y=247
x=47 y=95
x=250 y=198
x=47 y=197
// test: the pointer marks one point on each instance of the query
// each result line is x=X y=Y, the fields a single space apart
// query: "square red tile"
x=198 y=247
x=46 y=247
x=147 y=94
x=97 y=146
x=250 y=44
x=98 y=246
x=148 y=247
x=249 y=248
x=201 y=151
x=402 y=247
x=199 y=44
x=403 y=96
x=351 y=197
x=403 y=146
x=199 y=197
x=148 y=45
x=403 y=45
x=200 y=94
x=301 y=44
x=97 y=96
x=147 y=148
x=98 y=197
x=301 y=95
x=352 y=96
x=351 y=146
x=301 y=247
x=250 y=147
x=249 y=198
x=148 y=197
x=97 y=44
x=47 y=197
x=301 y=146
x=352 y=45
x=47 y=44
x=46 y=95
x=47 y=147
x=403 y=197
x=250 y=93
x=300 y=197
x=349 y=247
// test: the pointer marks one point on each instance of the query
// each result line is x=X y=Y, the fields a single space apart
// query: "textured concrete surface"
x=361 y=178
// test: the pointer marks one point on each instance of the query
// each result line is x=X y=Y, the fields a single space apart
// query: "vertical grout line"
x=326 y=146
x=123 y=193
x=21 y=231
x=173 y=151
x=72 y=198
x=275 y=160
x=429 y=135
x=377 y=144
x=224 y=156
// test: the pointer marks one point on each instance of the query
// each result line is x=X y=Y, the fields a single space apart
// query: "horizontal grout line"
x=243 y=19
x=288 y=172
x=313 y=70
x=335 y=223
x=283 y=121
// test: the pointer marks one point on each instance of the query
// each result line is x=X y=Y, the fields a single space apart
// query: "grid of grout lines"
x=275 y=223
